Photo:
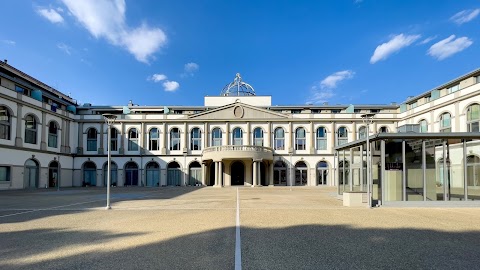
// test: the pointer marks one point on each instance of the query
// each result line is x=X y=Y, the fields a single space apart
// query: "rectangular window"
x=133 y=145
x=413 y=105
x=454 y=88
x=4 y=174
x=19 y=89
x=335 y=111
x=52 y=140
x=321 y=144
x=92 y=145
x=478 y=79
x=296 y=111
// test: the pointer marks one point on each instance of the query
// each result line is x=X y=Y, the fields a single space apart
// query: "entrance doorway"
x=301 y=173
x=53 y=174
x=322 y=172
x=195 y=174
x=89 y=174
x=31 y=174
x=173 y=174
x=153 y=174
x=131 y=174
x=113 y=174
x=237 y=173
x=280 y=173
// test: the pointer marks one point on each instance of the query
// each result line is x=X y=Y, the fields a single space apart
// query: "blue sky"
x=176 y=52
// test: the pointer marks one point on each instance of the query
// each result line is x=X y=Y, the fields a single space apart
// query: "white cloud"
x=322 y=92
x=171 y=86
x=50 y=14
x=189 y=69
x=320 y=96
x=465 y=16
x=65 y=48
x=449 y=46
x=395 y=44
x=157 y=77
x=9 y=42
x=427 y=40
x=331 y=81
x=106 y=19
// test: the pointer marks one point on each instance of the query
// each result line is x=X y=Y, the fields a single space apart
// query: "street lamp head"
x=109 y=118
x=367 y=118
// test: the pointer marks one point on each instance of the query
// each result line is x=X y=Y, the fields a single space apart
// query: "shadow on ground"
x=298 y=247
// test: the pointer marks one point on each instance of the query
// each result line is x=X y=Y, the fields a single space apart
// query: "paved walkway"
x=196 y=228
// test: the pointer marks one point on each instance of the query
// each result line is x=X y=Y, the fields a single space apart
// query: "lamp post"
x=368 y=120
x=109 y=120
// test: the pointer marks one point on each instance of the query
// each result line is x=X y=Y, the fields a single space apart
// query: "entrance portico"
x=238 y=165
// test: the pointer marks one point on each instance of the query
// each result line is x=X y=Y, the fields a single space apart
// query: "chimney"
x=5 y=60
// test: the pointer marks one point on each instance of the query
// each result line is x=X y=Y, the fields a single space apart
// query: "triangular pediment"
x=238 y=111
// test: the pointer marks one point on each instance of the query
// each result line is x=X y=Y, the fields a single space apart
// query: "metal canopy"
x=411 y=136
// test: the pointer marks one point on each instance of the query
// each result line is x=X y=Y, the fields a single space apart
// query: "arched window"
x=300 y=139
x=362 y=132
x=237 y=136
x=154 y=138
x=445 y=123
x=321 y=138
x=473 y=118
x=133 y=139
x=196 y=139
x=31 y=173
x=342 y=135
x=383 y=129
x=91 y=139
x=279 y=139
x=30 y=129
x=52 y=134
x=216 y=137
x=258 y=136
x=113 y=139
x=174 y=139
x=423 y=126
x=5 y=123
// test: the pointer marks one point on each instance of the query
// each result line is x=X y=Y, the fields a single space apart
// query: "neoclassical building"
x=239 y=138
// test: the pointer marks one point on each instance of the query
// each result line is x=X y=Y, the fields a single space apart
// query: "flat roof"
x=411 y=136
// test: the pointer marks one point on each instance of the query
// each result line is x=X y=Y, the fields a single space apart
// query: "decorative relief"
x=238 y=111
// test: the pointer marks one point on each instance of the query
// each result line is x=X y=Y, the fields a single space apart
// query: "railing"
x=249 y=148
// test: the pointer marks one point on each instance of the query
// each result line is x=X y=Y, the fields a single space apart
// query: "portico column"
x=254 y=182
x=204 y=174
x=270 y=174
x=216 y=173
x=220 y=174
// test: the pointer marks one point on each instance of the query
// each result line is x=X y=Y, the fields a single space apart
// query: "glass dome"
x=238 y=88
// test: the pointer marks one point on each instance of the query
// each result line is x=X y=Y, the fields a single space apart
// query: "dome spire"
x=238 y=88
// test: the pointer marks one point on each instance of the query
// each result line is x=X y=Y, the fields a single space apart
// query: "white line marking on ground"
x=238 y=246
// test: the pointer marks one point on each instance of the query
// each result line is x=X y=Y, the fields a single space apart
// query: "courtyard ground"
x=196 y=228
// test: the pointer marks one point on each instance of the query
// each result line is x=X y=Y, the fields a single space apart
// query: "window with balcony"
x=5 y=123
x=237 y=136
x=196 y=139
x=216 y=137
x=445 y=123
x=258 y=136
x=52 y=134
x=300 y=139
x=279 y=139
x=30 y=129
x=91 y=139
x=174 y=139
x=132 y=139
x=321 y=138
x=473 y=118
x=154 y=139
